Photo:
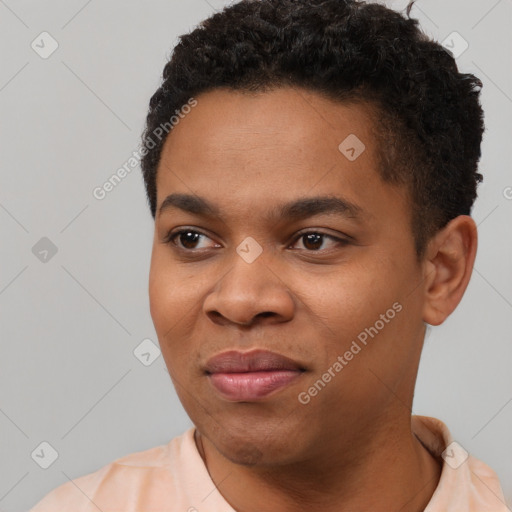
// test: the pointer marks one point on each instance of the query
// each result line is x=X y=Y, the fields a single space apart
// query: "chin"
x=241 y=451
x=253 y=444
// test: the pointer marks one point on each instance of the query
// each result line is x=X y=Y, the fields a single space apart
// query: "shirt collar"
x=466 y=484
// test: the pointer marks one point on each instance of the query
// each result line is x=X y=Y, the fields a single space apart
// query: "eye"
x=188 y=238
x=313 y=240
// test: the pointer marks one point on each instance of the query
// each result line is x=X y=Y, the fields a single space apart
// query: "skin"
x=351 y=447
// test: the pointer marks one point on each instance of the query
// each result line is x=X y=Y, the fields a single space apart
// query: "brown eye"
x=187 y=239
x=313 y=240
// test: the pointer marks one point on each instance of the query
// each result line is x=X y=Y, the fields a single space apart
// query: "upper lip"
x=234 y=361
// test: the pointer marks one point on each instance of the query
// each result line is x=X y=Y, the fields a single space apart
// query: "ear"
x=448 y=264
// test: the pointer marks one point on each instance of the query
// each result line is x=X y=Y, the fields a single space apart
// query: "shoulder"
x=466 y=483
x=122 y=480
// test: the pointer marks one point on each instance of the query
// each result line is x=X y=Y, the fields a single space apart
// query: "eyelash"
x=169 y=239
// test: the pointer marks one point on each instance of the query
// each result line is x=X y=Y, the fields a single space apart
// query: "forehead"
x=284 y=129
x=246 y=149
x=290 y=116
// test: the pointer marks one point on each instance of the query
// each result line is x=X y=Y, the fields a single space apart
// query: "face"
x=332 y=284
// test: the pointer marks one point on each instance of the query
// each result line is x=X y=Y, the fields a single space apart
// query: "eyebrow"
x=294 y=210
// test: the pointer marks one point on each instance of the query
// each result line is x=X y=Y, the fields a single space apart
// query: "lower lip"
x=251 y=386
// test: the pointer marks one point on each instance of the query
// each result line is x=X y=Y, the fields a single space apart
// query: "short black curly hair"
x=428 y=118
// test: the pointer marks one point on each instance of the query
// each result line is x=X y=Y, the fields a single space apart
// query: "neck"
x=388 y=470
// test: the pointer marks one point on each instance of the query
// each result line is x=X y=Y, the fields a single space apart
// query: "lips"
x=254 y=361
x=251 y=376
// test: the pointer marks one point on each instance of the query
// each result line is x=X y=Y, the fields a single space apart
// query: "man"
x=311 y=167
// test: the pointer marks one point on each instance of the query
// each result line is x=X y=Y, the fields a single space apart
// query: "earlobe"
x=447 y=268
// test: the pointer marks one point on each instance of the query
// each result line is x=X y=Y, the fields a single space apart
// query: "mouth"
x=251 y=376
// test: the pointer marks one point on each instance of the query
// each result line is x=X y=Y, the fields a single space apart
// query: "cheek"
x=354 y=295
x=353 y=302
x=160 y=302
x=382 y=318
x=175 y=301
x=169 y=296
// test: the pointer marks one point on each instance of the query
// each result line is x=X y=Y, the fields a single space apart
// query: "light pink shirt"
x=173 y=477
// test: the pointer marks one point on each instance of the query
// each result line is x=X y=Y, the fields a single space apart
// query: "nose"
x=249 y=293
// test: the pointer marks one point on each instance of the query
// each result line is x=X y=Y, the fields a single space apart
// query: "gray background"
x=70 y=323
